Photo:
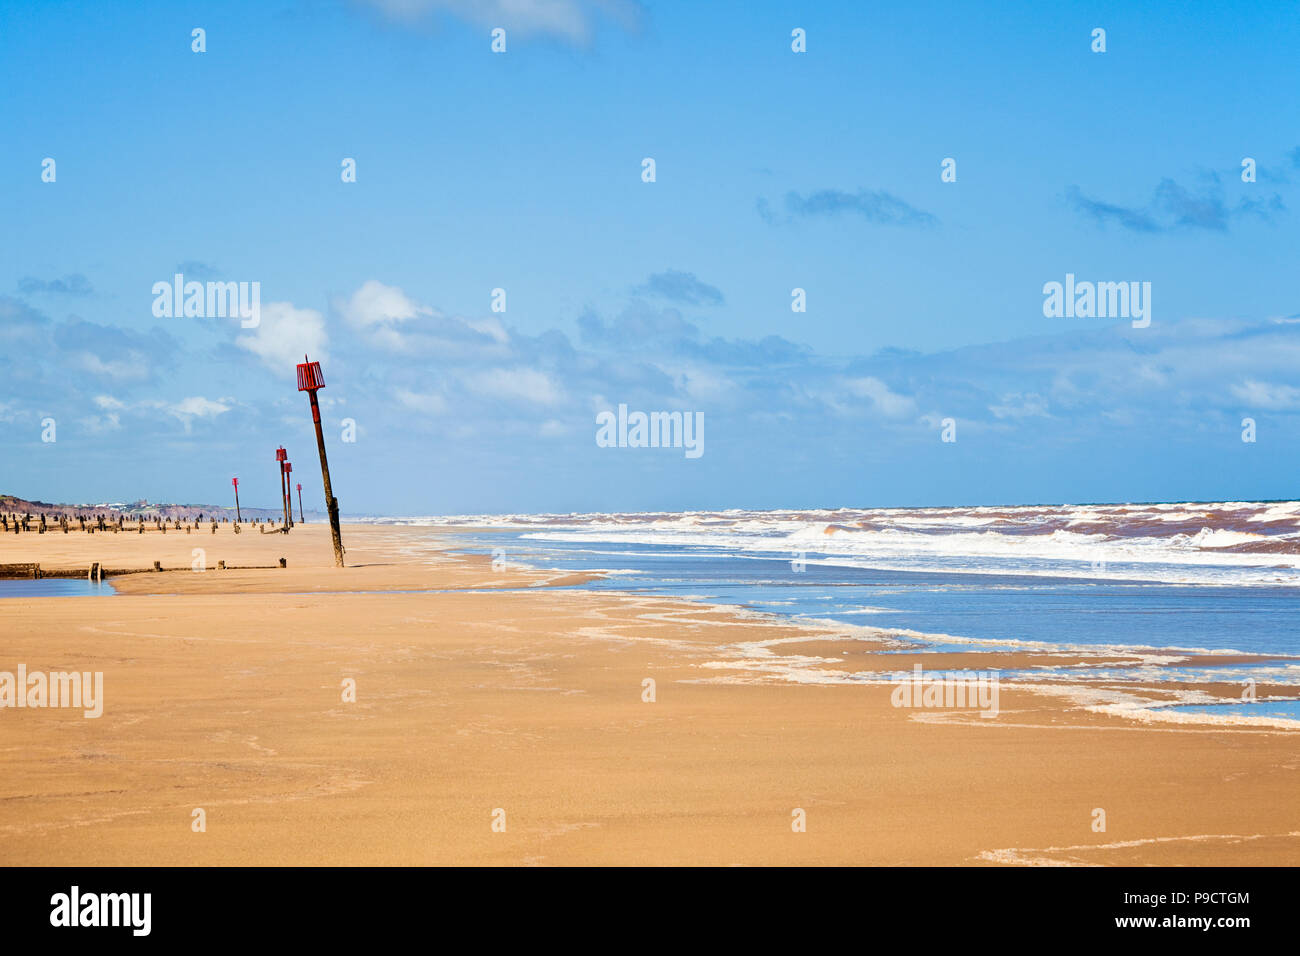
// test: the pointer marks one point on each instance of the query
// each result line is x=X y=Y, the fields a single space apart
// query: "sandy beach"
x=480 y=690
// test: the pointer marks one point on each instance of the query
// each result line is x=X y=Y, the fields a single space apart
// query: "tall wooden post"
x=238 y=517
x=301 y=519
x=310 y=380
x=281 y=456
x=288 y=491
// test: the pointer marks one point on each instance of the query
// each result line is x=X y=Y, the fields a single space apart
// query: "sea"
x=53 y=587
x=1137 y=579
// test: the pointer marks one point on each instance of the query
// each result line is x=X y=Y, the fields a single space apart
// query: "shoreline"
x=223 y=693
x=1017 y=657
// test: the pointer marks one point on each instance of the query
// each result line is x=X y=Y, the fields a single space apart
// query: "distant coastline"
x=11 y=504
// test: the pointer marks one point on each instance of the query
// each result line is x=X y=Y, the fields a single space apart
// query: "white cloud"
x=572 y=20
x=490 y=327
x=1016 y=405
x=101 y=424
x=196 y=406
x=376 y=304
x=700 y=382
x=428 y=404
x=134 y=366
x=520 y=383
x=888 y=403
x=390 y=319
x=285 y=335
x=1266 y=395
x=186 y=411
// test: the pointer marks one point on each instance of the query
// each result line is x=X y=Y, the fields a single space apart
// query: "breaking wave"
x=1223 y=543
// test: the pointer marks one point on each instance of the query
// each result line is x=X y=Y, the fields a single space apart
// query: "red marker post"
x=281 y=456
x=301 y=519
x=288 y=492
x=311 y=380
x=235 y=482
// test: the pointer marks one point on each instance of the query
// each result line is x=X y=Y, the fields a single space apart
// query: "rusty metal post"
x=309 y=381
x=288 y=492
x=281 y=456
x=331 y=502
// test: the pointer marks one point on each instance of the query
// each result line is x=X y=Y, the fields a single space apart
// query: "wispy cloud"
x=74 y=284
x=187 y=411
x=21 y=326
x=887 y=401
x=426 y=403
x=388 y=319
x=1174 y=207
x=1267 y=395
x=1015 y=405
x=522 y=384
x=571 y=20
x=517 y=397
x=639 y=324
x=876 y=206
x=198 y=271
x=1105 y=213
x=683 y=287
x=111 y=354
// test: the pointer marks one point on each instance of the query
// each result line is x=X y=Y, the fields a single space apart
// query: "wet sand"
x=480 y=689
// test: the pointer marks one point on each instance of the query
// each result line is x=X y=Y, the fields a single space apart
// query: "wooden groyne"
x=44 y=523
x=97 y=572
x=101 y=523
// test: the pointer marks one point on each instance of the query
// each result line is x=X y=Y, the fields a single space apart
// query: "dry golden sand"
x=223 y=691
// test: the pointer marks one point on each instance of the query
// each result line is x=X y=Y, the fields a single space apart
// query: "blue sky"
x=774 y=170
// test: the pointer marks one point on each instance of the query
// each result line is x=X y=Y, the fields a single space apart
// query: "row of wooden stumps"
x=40 y=524
x=97 y=572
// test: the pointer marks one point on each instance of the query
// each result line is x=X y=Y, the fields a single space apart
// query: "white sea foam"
x=1194 y=544
x=1225 y=543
